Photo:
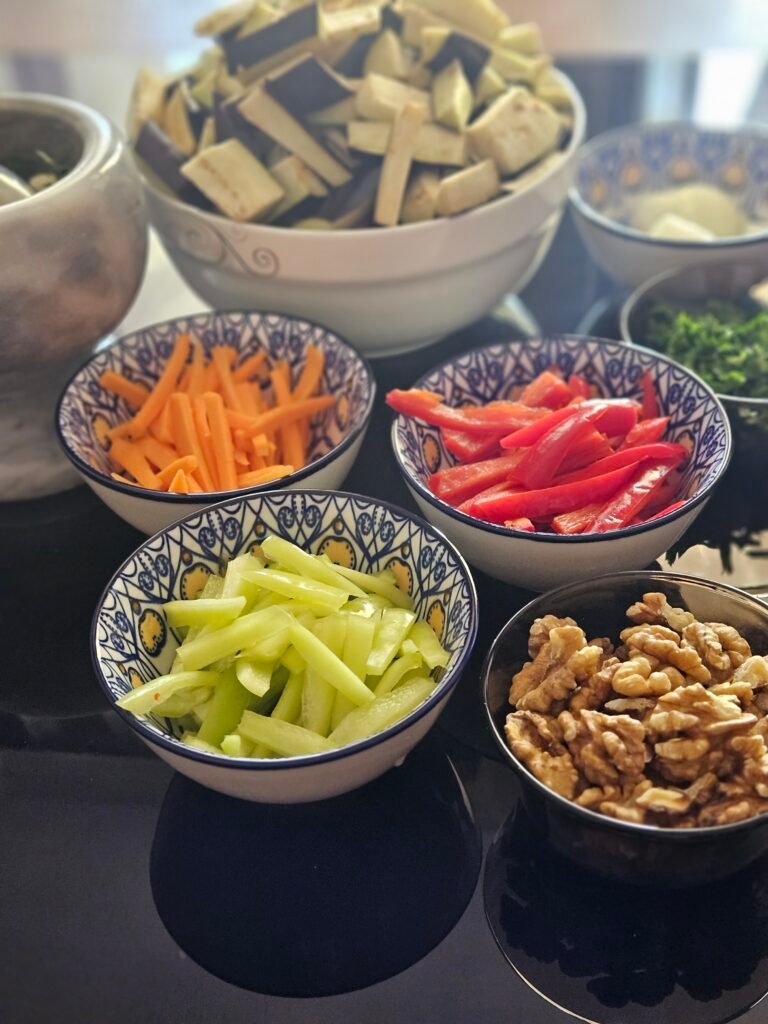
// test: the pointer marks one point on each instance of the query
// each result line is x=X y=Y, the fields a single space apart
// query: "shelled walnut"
x=670 y=728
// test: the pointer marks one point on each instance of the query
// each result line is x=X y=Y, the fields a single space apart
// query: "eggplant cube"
x=306 y=86
x=452 y=98
x=480 y=17
x=387 y=56
x=234 y=180
x=397 y=164
x=468 y=188
x=514 y=131
x=381 y=99
x=420 y=201
x=272 y=39
x=440 y=47
x=524 y=38
x=147 y=101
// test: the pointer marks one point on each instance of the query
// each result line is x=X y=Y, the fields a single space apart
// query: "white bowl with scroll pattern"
x=86 y=410
x=132 y=643
x=539 y=561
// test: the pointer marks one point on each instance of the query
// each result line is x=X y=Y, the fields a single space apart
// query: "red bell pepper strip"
x=629 y=501
x=579 y=386
x=523 y=524
x=485 y=419
x=550 y=501
x=501 y=488
x=667 y=451
x=646 y=432
x=617 y=415
x=670 y=508
x=578 y=520
x=650 y=401
x=547 y=390
x=458 y=483
x=470 y=448
x=587 y=449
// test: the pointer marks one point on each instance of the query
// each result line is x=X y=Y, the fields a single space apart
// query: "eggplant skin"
x=272 y=39
x=472 y=55
x=307 y=86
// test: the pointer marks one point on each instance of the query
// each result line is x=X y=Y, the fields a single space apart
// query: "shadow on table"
x=317 y=899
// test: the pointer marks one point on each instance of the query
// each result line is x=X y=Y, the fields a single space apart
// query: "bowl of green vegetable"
x=289 y=646
x=714 y=320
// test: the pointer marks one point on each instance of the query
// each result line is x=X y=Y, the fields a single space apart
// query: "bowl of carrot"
x=550 y=460
x=180 y=415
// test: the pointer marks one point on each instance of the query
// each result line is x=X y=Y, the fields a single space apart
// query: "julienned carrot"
x=263 y=476
x=161 y=427
x=179 y=484
x=186 y=464
x=204 y=435
x=130 y=457
x=222 y=359
x=249 y=367
x=159 y=454
x=221 y=439
x=311 y=375
x=247 y=399
x=185 y=436
x=196 y=369
x=277 y=418
x=134 y=394
x=293 y=448
x=162 y=391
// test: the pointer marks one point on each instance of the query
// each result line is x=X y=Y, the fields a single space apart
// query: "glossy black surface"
x=83 y=805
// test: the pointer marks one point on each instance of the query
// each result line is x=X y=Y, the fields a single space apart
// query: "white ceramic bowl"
x=86 y=410
x=131 y=641
x=623 y=162
x=388 y=290
x=543 y=560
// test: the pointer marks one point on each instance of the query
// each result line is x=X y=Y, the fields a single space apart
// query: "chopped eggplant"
x=177 y=125
x=272 y=39
x=350 y=61
x=337 y=114
x=224 y=19
x=549 y=87
x=313 y=224
x=468 y=188
x=488 y=86
x=387 y=56
x=380 y=98
x=306 y=86
x=523 y=38
x=420 y=201
x=452 y=98
x=435 y=145
x=402 y=144
x=234 y=180
x=227 y=85
x=352 y=204
x=335 y=141
x=350 y=23
x=516 y=67
x=261 y=14
x=195 y=110
x=147 y=100
x=416 y=18
x=480 y=17
x=522 y=181
x=207 y=134
x=262 y=110
x=204 y=90
x=420 y=77
x=161 y=155
x=440 y=47
x=297 y=181
x=230 y=124
x=515 y=130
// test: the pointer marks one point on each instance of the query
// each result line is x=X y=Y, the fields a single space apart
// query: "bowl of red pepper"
x=554 y=459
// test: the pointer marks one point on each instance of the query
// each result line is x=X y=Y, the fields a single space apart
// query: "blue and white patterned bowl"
x=86 y=410
x=543 y=560
x=618 y=164
x=131 y=641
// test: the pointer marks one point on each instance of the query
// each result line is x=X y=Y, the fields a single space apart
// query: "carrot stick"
x=161 y=392
x=262 y=445
x=241 y=458
x=123 y=479
x=210 y=378
x=222 y=441
x=194 y=484
x=130 y=457
x=245 y=396
x=249 y=367
x=196 y=369
x=222 y=360
x=161 y=427
x=239 y=420
x=185 y=435
x=134 y=394
x=257 y=399
x=290 y=434
x=311 y=374
x=276 y=418
x=179 y=484
x=204 y=434
x=159 y=454
x=186 y=464
x=264 y=476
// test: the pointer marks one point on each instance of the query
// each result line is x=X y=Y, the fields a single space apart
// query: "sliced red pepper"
x=579 y=386
x=523 y=524
x=547 y=390
x=485 y=419
x=647 y=431
x=666 y=451
x=470 y=448
x=670 y=508
x=589 y=448
x=617 y=416
x=501 y=488
x=541 y=505
x=650 y=401
x=458 y=483
x=413 y=402
x=578 y=520
x=630 y=500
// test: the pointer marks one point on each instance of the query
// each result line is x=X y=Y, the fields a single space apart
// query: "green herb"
x=723 y=343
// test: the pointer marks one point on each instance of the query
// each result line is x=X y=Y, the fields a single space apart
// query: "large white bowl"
x=618 y=164
x=388 y=290
x=132 y=643
x=543 y=560
x=86 y=410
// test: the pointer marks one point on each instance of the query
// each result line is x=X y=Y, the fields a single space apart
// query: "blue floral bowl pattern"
x=624 y=162
x=132 y=643
x=86 y=410
x=500 y=371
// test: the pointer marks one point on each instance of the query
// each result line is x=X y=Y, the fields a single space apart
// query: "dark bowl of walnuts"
x=633 y=708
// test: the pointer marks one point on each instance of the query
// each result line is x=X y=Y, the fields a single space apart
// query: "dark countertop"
x=128 y=893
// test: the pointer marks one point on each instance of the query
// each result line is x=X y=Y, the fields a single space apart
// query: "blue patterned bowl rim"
x=444 y=687
x=215 y=496
x=677 y=835
x=640 y=294
x=613 y=227
x=557 y=538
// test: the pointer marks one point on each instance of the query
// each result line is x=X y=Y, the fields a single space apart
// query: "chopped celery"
x=150 y=696
x=247 y=630
x=191 y=740
x=431 y=649
x=396 y=671
x=227 y=706
x=310 y=592
x=181 y=704
x=214 y=587
x=235 y=583
x=214 y=611
x=390 y=633
x=330 y=667
x=288 y=707
x=358 y=643
x=301 y=562
x=318 y=696
x=341 y=708
x=409 y=647
x=369 y=607
x=283 y=737
x=382 y=713
x=236 y=746
x=293 y=661
x=255 y=676
x=380 y=585
x=270 y=648
x=265 y=705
